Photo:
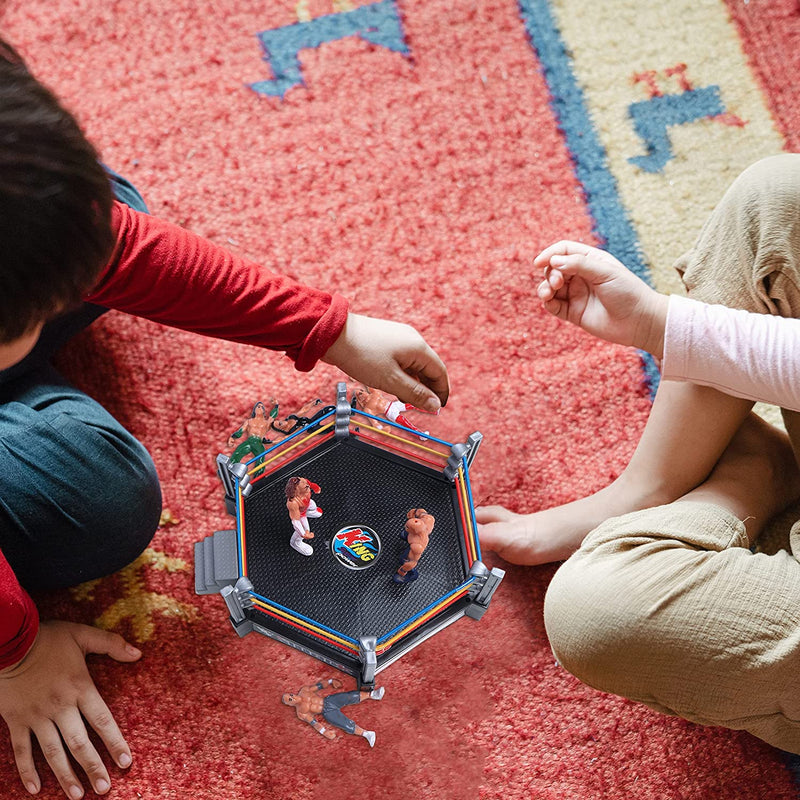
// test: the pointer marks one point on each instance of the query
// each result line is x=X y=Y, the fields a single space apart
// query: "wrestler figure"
x=254 y=432
x=306 y=415
x=308 y=702
x=300 y=507
x=378 y=404
x=419 y=524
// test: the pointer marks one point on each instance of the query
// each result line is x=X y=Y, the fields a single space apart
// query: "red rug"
x=415 y=156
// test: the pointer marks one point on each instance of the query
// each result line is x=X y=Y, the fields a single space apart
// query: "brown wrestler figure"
x=308 y=702
x=419 y=524
x=300 y=507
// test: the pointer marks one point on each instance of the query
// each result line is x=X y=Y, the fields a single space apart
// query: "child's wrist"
x=650 y=336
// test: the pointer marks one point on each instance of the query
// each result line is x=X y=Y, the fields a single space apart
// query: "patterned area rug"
x=414 y=155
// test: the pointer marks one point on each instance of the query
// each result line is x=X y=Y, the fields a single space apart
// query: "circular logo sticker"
x=356 y=547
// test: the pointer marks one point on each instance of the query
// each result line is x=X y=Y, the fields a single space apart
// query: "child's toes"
x=488 y=514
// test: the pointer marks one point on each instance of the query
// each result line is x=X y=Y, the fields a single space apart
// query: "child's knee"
x=705 y=636
x=748 y=252
x=136 y=512
x=590 y=620
x=648 y=598
x=81 y=503
x=622 y=606
x=780 y=171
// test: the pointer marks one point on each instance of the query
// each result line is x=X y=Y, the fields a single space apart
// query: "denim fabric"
x=79 y=495
x=126 y=192
x=332 y=706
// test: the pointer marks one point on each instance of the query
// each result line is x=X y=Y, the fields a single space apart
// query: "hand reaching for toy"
x=50 y=695
x=393 y=357
x=590 y=288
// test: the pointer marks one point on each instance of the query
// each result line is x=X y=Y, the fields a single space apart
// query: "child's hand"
x=393 y=357
x=50 y=695
x=590 y=288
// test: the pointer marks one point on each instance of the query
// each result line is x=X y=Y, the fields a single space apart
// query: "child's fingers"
x=97 y=714
x=548 y=288
x=563 y=248
x=585 y=265
x=23 y=754
x=94 y=640
x=557 y=307
x=550 y=285
x=544 y=291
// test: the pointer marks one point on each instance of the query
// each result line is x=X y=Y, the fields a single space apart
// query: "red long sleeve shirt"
x=169 y=275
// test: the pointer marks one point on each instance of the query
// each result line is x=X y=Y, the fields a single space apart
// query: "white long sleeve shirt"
x=753 y=356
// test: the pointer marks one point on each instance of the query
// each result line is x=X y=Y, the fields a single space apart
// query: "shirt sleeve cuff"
x=322 y=335
x=679 y=319
x=26 y=618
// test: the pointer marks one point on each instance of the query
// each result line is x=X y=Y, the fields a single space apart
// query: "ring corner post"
x=238 y=598
x=483 y=588
x=343 y=412
x=462 y=453
x=369 y=660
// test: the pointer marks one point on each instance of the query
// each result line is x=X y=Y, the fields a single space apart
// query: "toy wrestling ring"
x=340 y=605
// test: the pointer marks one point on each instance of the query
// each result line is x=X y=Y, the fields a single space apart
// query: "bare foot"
x=554 y=534
x=525 y=538
x=756 y=477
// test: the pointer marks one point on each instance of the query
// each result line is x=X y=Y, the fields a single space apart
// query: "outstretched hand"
x=50 y=695
x=393 y=357
x=590 y=288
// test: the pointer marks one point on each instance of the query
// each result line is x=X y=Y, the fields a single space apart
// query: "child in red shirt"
x=79 y=496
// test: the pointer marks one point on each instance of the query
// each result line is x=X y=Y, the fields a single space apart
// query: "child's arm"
x=168 y=274
x=165 y=273
x=755 y=356
x=19 y=619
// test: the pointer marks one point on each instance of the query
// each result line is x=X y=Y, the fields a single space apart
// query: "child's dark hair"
x=55 y=203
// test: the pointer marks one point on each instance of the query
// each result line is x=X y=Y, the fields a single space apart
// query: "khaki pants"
x=668 y=606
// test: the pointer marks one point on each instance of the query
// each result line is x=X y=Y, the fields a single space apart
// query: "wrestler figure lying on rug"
x=309 y=703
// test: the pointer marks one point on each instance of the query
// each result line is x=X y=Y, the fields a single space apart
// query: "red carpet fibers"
x=771 y=38
x=421 y=186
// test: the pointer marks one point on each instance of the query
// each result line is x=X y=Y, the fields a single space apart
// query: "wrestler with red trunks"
x=376 y=403
x=301 y=506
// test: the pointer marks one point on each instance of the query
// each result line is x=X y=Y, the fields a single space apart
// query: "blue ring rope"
x=421 y=434
x=425 y=611
x=305 y=619
x=468 y=486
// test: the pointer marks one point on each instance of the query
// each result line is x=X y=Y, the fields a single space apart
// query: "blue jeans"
x=332 y=706
x=79 y=495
